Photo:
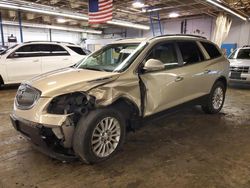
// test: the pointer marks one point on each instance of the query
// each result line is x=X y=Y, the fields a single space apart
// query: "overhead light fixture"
x=227 y=9
x=174 y=15
x=138 y=4
x=72 y=16
x=151 y=10
x=61 y=20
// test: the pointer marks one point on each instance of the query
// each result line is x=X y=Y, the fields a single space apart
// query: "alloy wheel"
x=106 y=137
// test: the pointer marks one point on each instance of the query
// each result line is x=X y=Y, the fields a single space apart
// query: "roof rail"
x=246 y=46
x=50 y=41
x=184 y=35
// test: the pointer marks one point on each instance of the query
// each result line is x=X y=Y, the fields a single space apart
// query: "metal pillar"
x=184 y=26
x=50 y=35
x=20 y=25
x=1 y=28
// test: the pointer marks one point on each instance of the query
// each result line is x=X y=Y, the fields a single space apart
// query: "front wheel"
x=215 y=99
x=99 y=135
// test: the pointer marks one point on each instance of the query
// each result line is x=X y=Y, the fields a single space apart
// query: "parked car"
x=240 y=65
x=84 y=112
x=24 y=61
x=2 y=49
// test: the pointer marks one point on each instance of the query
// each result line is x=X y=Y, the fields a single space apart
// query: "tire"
x=216 y=98
x=85 y=139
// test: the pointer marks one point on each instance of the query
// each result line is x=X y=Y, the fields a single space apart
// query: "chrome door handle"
x=207 y=71
x=36 y=60
x=179 y=78
x=65 y=59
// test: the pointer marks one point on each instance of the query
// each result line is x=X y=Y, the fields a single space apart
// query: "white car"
x=240 y=65
x=24 y=61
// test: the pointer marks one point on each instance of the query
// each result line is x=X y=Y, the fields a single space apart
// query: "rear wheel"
x=99 y=135
x=215 y=99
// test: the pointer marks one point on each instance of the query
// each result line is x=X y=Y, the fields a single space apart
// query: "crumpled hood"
x=239 y=62
x=70 y=80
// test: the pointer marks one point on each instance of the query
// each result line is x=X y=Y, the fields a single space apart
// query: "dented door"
x=164 y=89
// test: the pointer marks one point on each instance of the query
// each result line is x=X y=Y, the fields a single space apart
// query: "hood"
x=70 y=80
x=239 y=62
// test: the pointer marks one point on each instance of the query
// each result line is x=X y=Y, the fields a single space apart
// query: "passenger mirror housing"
x=153 y=65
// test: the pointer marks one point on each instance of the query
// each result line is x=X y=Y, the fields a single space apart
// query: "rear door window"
x=190 y=52
x=78 y=50
x=57 y=50
x=211 y=49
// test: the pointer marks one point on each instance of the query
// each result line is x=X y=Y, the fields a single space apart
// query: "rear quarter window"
x=211 y=49
x=57 y=50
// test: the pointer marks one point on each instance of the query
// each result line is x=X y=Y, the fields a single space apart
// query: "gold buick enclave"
x=85 y=111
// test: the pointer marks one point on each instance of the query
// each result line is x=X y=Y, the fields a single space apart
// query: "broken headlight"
x=70 y=103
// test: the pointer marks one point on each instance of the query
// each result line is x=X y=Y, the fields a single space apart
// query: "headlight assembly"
x=26 y=97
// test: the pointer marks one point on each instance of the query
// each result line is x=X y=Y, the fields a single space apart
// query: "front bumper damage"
x=45 y=139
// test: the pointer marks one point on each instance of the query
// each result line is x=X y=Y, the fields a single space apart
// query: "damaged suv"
x=85 y=111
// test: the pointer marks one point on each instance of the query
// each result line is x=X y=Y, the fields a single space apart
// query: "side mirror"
x=153 y=65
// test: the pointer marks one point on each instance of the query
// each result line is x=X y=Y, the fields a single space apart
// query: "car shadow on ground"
x=243 y=86
x=9 y=87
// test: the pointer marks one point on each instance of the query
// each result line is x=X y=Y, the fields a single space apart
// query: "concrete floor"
x=186 y=149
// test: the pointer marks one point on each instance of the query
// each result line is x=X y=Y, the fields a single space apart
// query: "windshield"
x=7 y=50
x=112 y=58
x=240 y=54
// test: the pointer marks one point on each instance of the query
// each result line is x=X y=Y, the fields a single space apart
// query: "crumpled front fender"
x=122 y=88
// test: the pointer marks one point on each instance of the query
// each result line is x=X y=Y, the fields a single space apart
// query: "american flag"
x=100 y=11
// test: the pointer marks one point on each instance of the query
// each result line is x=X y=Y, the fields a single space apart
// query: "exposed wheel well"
x=223 y=80
x=130 y=110
x=126 y=106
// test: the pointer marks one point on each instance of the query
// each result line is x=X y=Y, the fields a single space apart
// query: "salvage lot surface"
x=185 y=149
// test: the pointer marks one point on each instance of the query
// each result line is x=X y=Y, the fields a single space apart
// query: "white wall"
x=204 y=25
x=239 y=33
x=197 y=26
x=66 y=36
x=34 y=34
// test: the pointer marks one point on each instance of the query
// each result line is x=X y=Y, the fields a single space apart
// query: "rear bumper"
x=43 y=139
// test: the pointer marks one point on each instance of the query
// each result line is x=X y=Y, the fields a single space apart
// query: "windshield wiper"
x=92 y=68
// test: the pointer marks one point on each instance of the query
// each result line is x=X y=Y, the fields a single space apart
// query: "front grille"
x=237 y=78
x=244 y=69
x=26 y=96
